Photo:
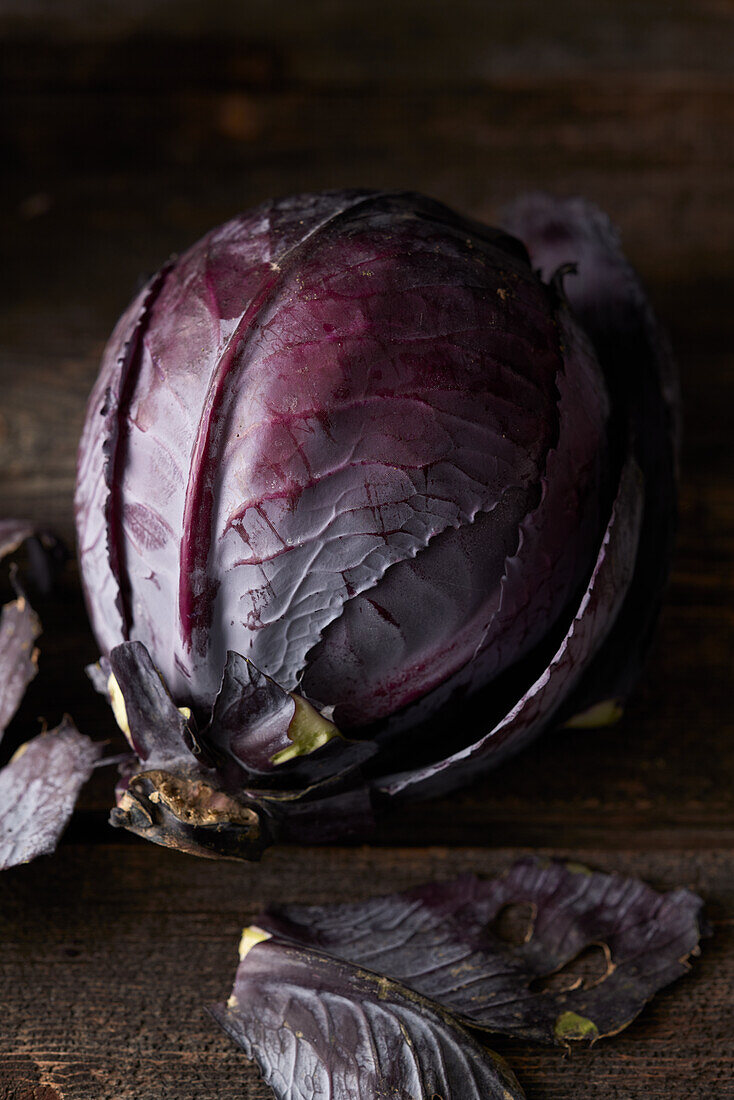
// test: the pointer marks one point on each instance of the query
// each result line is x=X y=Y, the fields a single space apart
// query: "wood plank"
x=418 y=42
x=109 y=957
x=523 y=131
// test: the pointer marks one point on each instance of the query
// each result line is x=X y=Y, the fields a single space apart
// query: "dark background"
x=126 y=131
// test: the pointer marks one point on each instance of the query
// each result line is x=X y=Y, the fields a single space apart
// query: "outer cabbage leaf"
x=158 y=731
x=439 y=940
x=38 y=790
x=608 y=299
x=591 y=625
x=251 y=715
x=536 y=565
x=321 y=1027
x=276 y=737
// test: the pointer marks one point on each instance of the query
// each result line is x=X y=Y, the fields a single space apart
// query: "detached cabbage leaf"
x=19 y=629
x=38 y=791
x=373 y=998
x=40 y=784
x=318 y=1026
x=441 y=941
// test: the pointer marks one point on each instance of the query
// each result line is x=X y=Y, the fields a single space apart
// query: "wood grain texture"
x=414 y=42
x=128 y=130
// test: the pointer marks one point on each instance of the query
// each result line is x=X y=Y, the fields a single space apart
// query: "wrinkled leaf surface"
x=593 y=621
x=439 y=940
x=607 y=297
x=321 y=1027
x=38 y=790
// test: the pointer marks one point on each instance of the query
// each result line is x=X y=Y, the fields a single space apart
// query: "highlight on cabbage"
x=368 y=495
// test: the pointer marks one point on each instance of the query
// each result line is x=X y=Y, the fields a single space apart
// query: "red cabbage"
x=352 y=448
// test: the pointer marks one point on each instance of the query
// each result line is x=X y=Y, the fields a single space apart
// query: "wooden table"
x=126 y=132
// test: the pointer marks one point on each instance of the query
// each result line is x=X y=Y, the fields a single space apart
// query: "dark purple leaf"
x=158 y=731
x=44 y=551
x=251 y=715
x=38 y=789
x=317 y=1026
x=19 y=628
x=275 y=734
x=439 y=940
x=19 y=625
x=592 y=623
x=607 y=297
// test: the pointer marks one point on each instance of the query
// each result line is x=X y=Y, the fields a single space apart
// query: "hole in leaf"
x=590 y=967
x=514 y=923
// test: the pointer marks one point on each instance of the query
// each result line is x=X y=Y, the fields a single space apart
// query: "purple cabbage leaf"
x=607 y=298
x=593 y=620
x=19 y=629
x=444 y=941
x=38 y=791
x=40 y=783
x=319 y=1026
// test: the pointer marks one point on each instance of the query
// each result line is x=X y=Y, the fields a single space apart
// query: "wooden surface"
x=125 y=132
